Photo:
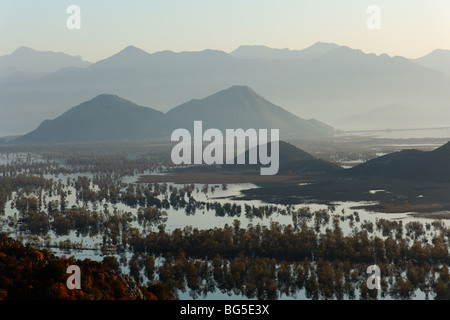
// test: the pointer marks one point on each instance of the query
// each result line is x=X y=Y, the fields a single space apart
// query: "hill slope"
x=439 y=60
x=292 y=160
x=106 y=117
x=240 y=107
x=109 y=117
x=410 y=164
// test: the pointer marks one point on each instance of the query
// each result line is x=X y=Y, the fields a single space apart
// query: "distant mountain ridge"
x=396 y=116
x=267 y=53
x=109 y=117
x=439 y=60
x=323 y=81
x=33 y=63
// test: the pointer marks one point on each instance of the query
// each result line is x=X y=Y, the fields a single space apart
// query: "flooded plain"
x=215 y=206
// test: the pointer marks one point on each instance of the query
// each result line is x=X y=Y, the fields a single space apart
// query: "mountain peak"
x=23 y=50
x=345 y=51
x=437 y=53
x=129 y=55
x=106 y=97
x=324 y=46
x=262 y=52
x=240 y=88
x=258 y=47
x=237 y=94
x=110 y=102
x=132 y=50
x=438 y=59
x=241 y=107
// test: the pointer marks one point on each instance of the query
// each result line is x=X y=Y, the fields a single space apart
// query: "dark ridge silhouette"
x=292 y=159
x=106 y=117
x=410 y=164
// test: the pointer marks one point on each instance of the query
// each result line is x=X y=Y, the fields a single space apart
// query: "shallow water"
x=419 y=133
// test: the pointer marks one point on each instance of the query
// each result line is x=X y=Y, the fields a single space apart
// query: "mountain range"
x=109 y=117
x=27 y=63
x=267 y=53
x=396 y=116
x=325 y=81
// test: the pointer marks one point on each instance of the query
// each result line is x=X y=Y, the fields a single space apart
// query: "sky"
x=409 y=28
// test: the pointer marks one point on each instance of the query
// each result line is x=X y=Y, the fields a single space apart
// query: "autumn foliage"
x=27 y=273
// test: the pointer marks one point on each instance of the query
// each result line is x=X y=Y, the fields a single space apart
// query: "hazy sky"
x=411 y=28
